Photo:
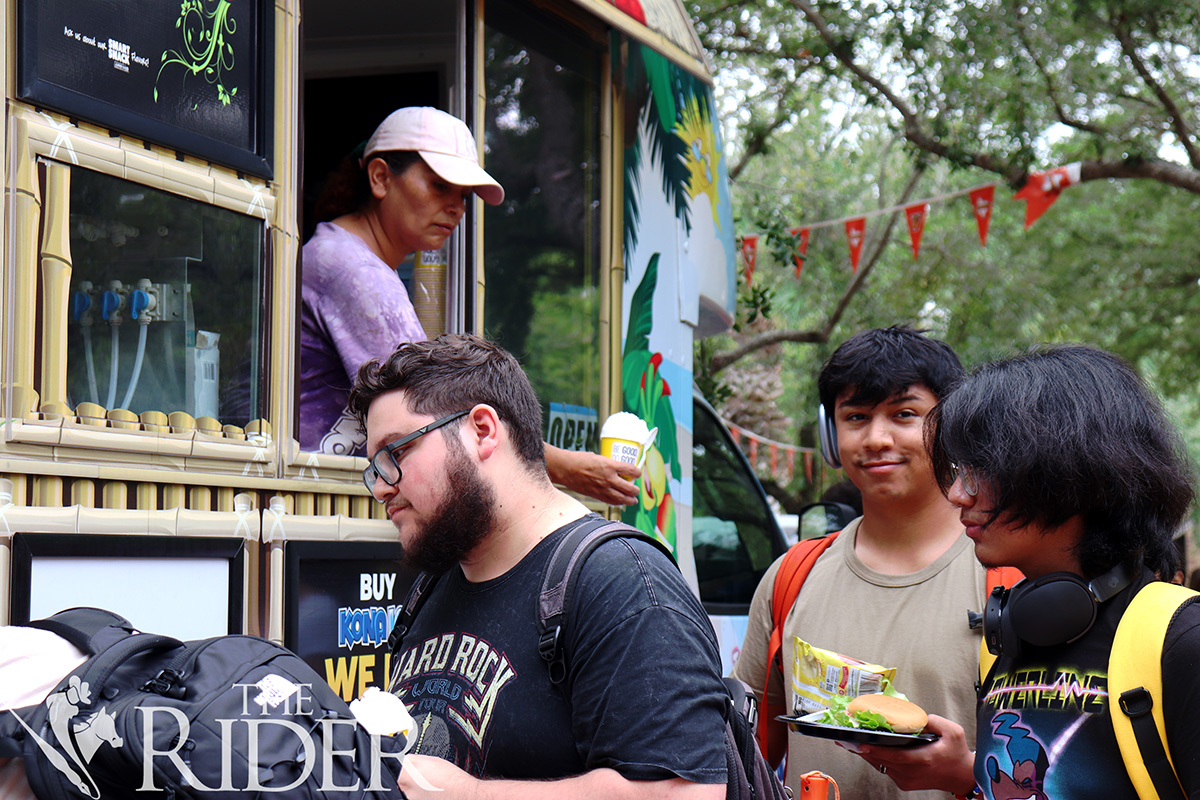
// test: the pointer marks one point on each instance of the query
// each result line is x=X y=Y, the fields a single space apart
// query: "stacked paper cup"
x=429 y=290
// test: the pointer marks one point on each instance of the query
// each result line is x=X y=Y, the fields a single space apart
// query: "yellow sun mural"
x=696 y=131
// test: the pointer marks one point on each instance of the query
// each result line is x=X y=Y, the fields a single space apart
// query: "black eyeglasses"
x=970 y=483
x=383 y=464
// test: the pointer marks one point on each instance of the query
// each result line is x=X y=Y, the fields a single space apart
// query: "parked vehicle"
x=734 y=533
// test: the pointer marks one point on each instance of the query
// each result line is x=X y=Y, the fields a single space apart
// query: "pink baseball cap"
x=444 y=143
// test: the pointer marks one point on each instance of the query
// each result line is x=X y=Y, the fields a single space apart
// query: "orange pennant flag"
x=981 y=203
x=750 y=254
x=753 y=452
x=856 y=233
x=916 y=215
x=791 y=465
x=736 y=434
x=1043 y=188
x=773 y=451
x=808 y=465
x=801 y=249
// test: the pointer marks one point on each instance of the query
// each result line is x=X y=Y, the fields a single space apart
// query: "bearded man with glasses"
x=640 y=713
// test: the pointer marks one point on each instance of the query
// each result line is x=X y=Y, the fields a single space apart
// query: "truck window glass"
x=165 y=302
x=542 y=245
x=733 y=532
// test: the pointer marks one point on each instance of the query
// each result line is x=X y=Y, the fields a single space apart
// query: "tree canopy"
x=838 y=108
x=985 y=84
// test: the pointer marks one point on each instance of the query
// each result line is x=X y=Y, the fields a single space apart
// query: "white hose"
x=137 y=364
x=114 y=332
x=91 y=364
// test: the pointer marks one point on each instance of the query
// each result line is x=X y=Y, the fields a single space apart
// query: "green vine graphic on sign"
x=205 y=51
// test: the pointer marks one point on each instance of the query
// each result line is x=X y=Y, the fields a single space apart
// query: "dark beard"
x=464 y=519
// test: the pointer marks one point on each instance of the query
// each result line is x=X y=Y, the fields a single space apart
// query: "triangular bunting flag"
x=981 y=203
x=1043 y=188
x=753 y=453
x=808 y=465
x=773 y=452
x=856 y=233
x=736 y=434
x=750 y=254
x=916 y=215
x=800 y=250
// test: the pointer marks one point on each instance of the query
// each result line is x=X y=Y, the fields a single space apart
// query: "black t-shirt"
x=643 y=693
x=1044 y=728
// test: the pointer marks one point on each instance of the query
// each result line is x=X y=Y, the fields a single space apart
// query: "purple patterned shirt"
x=354 y=308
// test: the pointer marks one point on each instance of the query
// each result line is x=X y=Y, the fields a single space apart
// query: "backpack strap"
x=79 y=626
x=408 y=610
x=997 y=578
x=562 y=572
x=793 y=570
x=1135 y=688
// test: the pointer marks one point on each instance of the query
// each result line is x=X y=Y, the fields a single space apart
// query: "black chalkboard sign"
x=191 y=75
x=340 y=603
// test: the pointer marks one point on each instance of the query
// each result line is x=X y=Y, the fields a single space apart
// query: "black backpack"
x=749 y=777
x=148 y=716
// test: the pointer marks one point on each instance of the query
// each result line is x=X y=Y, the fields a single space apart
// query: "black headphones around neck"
x=827 y=433
x=1056 y=608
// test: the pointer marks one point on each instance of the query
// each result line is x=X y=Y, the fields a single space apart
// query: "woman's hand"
x=593 y=475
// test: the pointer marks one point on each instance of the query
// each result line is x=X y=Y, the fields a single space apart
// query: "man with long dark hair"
x=1064 y=465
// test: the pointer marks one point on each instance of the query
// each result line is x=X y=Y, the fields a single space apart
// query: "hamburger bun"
x=902 y=715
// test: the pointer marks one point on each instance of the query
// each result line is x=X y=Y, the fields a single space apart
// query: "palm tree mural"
x=671 y=144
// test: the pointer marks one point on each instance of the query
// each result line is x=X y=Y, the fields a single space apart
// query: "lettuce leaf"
x=866 y=720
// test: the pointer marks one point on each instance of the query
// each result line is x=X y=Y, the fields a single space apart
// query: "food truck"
x=162 y=166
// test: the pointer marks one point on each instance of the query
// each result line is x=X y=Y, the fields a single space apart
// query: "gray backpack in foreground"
x=149 y=717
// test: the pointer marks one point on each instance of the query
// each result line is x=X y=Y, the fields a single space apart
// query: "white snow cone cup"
x=625 y=437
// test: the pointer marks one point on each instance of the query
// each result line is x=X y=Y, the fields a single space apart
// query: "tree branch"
x=1178 y=123
x=913 y=131
x=881 y=243
x=758 y=138
x=722 y=360
x=1051 y=91
x=1152 y=169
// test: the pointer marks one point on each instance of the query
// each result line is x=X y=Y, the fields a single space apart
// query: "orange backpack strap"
x=793 y=569
x=996 y=576
x=1002 y=576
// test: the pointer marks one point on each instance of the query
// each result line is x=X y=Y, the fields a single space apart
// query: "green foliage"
x=715 y=391
x=980 y=92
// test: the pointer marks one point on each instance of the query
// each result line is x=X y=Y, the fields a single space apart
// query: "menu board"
x=192 y=76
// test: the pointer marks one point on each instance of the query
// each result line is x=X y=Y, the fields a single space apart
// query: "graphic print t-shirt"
x=1044 y=729
x=643 y=681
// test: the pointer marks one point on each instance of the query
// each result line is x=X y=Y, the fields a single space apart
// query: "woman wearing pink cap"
x=407 y=192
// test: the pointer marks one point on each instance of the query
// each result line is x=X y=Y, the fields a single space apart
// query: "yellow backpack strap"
x=986 y=659
x=1135 y=689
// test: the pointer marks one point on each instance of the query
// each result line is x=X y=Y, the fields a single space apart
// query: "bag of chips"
x=818 y=675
